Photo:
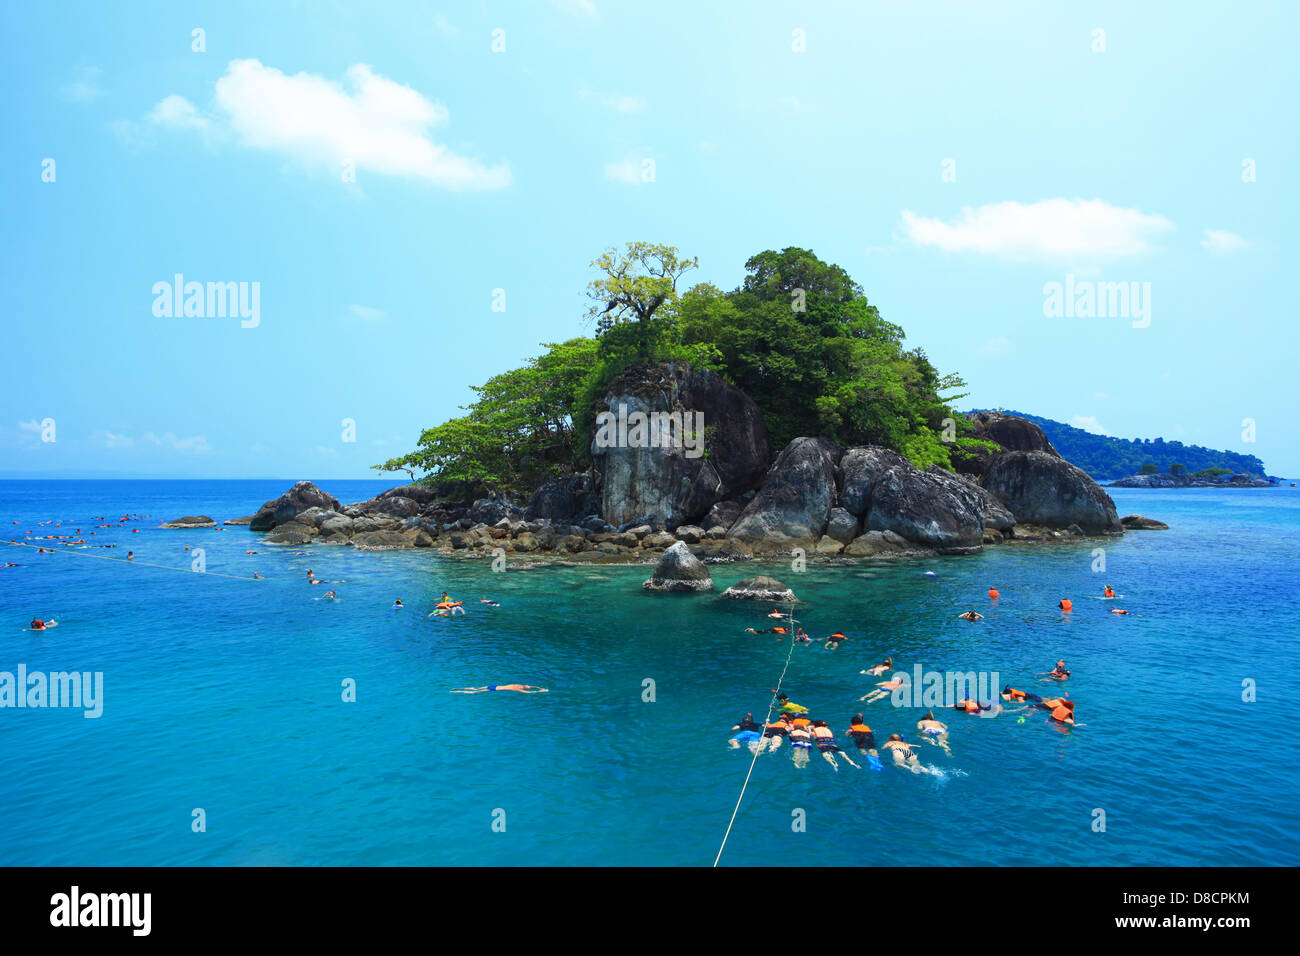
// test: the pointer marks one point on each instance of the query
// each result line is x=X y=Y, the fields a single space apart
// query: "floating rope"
x=106 y=557
x=766 y=721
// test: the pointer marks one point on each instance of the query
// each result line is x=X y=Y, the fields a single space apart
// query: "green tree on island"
x=798 y=336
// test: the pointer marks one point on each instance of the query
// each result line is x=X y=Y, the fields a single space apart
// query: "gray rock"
x=1142 y=523
x=666 y=476
x=937 y=510
x=246 y=520
x=191 y=521
x=299 y=498
x=382 y=540
x=1043 y=489
x=689 y=533
x=793 y=504
x=567 y=498
x=679 y=570
x=842 y=526
x=882 y=544
x=658 y=539
x=338 y=524
x=761 y=588
x=860 y=469
x=724 y=513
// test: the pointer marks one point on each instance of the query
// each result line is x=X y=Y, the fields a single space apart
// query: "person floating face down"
x=902 y=753
x=934 y=731
x=746 y=731
x=824 y=737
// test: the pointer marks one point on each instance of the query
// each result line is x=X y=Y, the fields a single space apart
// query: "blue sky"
x=1113 y=157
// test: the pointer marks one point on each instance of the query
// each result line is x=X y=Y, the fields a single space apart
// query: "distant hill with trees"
x=1104 y=457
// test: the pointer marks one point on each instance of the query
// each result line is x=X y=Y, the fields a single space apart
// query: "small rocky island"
x=738 y=502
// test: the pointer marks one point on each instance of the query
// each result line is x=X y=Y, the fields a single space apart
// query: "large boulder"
x=936 y=509
x=886 y=544
x=761 y=588
x=670 y=466
x=1010 y=432
x=1142 y=523
x=1044 y=489
x=295 y=501
x=679 y=570
x=567 y=498
x=795 y=501
x=723 y=515
x=842 y=526
x=860 y=468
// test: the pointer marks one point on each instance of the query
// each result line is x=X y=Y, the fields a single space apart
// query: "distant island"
x=1106 y=458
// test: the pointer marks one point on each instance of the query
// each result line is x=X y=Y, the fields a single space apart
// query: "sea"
x=251 y=722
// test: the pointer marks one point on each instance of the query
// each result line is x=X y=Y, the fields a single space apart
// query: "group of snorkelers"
x=1065 y=605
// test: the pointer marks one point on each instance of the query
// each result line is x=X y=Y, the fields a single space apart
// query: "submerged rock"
x=192 y=521
x=761 y=588
x=679 y=570
x=1142 y=523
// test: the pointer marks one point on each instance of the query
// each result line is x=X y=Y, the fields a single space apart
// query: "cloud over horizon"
x=1051 y=230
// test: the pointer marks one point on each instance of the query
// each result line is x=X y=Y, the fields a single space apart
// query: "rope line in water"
x=106 y=557
x=761 y=739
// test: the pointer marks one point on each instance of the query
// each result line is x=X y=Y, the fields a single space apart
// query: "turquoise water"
x=226 y=694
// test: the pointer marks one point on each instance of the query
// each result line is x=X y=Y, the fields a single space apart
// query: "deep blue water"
x=225 y=694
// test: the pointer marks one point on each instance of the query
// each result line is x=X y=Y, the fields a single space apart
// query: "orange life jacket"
x=993 y=593
x=1062 y=713
x=972 y=706
x=1015 y=694
x=1066 y=604
x=860 y=728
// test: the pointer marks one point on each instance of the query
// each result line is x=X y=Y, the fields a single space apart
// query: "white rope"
x=761 y=739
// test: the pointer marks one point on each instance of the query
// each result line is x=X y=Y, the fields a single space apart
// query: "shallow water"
x=225 y=694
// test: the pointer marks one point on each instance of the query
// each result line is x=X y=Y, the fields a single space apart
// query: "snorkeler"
x=971 y=616
x=862 y=736
x=972 y=706
x=329 y=595
x=1120 y=610
x=1109 y=592
x=39 y=625
x=801 y=637
x=398 y=603
x=773 y=733
x=520 y=688
x=903 y=756
x=1017 y=696
x=747 y=731
x=887 y=687
x=993 y=594
x=833 y=641
x=879 y=669
x=1061 y=708
x=768 y=630
x=489 y=602
x=1058 y=672
x=776 y=612
x=790 y=707
x=825 y=738
x=801 y=742
x=1066 y=605
x=935 y=731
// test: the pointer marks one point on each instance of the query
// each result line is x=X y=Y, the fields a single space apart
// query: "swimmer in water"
x=519 y=688
x=972 y=706
x=397 y=603
x=879 y=669
x=768 y=630
x=993 y=594
x=329 y=595
x=1066 y=605
x=130 y=555
x=489 y=602
x=790 y=707
x=825 y=739
x=801 y=637
x=1018 y=696
x=971 y=616
x=903 y=756
x=746 y=731
x=256 y=576
x=934 y=731
x=1120 y=610
x=862 y=737
x=37 y=624
x=801 y=743
x=776 y=612
x=774 y=732
x=1061 y=709
x=1058 y=672
x=887 y=687
x=1109 y=592
x=833 y=641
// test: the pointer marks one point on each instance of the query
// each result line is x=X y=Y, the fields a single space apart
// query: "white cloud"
x=1220 y=242
x=1089 y=424
x=618 y=102
x=377 y=124
x=85 y=87
x=1049 y=230
x=196 y=443
x=997 y=348
x=178 y=113
x=584 y=7
x=32 y=425
x=627 y=170
x=366 y=313
x=114 y=439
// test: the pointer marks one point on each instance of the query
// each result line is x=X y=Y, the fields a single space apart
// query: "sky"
x=415 y=192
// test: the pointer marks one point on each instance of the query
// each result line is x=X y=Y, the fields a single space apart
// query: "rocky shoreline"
x=1186 y=481
x=830 y=503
